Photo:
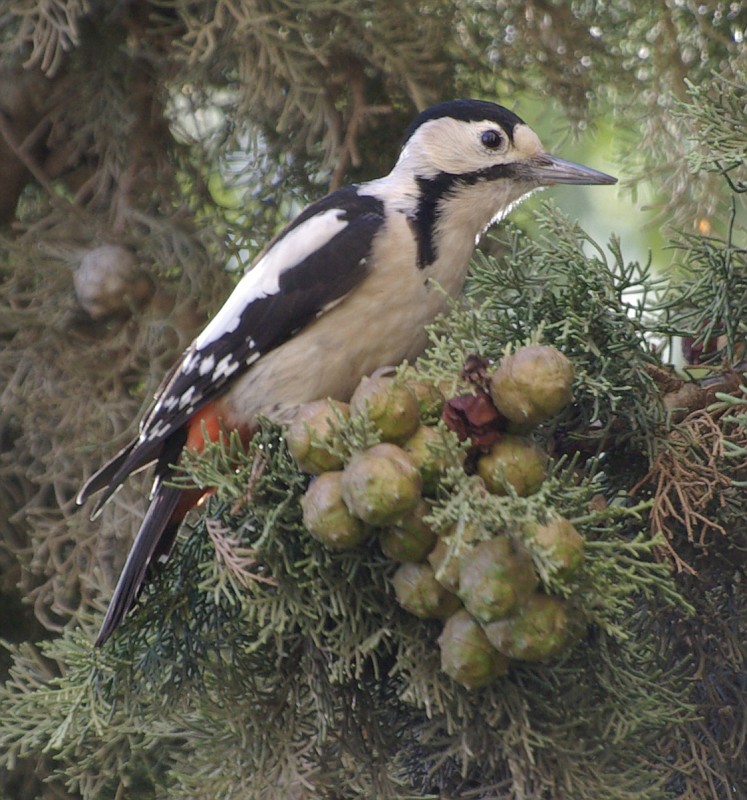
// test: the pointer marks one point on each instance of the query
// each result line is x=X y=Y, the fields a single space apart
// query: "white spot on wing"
x=186 y=398
x=190 y=361
x=157 y=431
x=263 y=279
x=226 y=366
x=207 y=364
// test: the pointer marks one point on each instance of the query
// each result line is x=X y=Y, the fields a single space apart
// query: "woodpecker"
x=346 y=288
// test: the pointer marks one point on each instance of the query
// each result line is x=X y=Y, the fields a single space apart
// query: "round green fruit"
x=539 y=630
x=532 y=385
x=410 y=539
x=495 y=577
x=466 y=654
x=380 y=484
x=514 y=461
x=312 y=435
x=390 y=405
x=326 y=516
x=421 y=594
x=449 y=552
x=563 y=546
x=429 y=396
x=423 y=448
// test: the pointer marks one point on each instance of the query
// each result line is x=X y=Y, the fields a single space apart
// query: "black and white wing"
x=312 y=264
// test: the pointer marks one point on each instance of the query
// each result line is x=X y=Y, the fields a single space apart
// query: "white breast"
x=380 y=323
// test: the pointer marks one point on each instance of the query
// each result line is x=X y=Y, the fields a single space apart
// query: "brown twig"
x=681 y=397
x=349 y=152
x=25 y=158
x=240 y=562
x=259 y=465
x=686 y=478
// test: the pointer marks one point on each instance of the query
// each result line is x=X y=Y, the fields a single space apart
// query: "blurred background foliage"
x=150 y=148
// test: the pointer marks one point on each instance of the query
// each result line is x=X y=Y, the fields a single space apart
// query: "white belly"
x=380 y=323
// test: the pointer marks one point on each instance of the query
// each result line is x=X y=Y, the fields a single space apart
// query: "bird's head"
x=478 y=140
x=485 y=152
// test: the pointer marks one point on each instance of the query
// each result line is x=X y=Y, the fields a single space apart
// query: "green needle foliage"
x=259 y=664
x=594 y=306
x=293 y=666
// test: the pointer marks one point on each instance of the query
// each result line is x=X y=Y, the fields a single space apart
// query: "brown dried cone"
x=326 y=516
x=532 y=385
x=449 y=551
x=410 y=539
x=390 y=405
x=495 y=578
x=474 y=416
x=539 y=631
x=513 y=461
x=466 y=653
x=380 y=484
x=563 y=545
x=423 y=448
x=313 y=434
x=109 y=282
x=421 y=594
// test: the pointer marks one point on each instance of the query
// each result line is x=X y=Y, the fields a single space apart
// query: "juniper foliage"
x=299 y=670
x=262 y=665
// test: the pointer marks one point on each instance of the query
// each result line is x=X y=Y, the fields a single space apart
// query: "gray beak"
x=547 y=170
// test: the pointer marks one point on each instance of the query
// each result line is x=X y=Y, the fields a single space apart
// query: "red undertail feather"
x=206 y=421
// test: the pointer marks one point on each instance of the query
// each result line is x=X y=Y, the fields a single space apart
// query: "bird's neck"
x=448 y=212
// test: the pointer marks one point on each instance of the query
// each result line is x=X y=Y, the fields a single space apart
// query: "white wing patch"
x=264 y=278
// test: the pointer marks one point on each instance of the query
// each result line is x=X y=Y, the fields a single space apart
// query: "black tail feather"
x=156 y=533
x=111 y=476
x=103 y=477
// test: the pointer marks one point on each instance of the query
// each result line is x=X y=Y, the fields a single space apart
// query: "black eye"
x=491 y=139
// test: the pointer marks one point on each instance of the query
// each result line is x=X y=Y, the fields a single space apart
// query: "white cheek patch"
x=454 y=146
x=264 y=278
x=446 y=145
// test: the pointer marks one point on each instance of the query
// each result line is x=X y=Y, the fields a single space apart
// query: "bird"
x=346 y=288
